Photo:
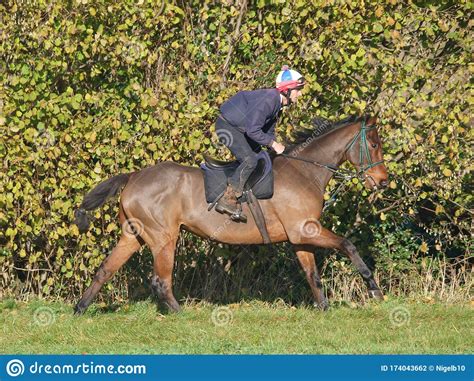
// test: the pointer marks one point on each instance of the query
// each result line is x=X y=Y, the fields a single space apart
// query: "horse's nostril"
x=384 y=183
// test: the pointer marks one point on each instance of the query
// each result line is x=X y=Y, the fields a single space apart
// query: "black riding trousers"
x=243 y=148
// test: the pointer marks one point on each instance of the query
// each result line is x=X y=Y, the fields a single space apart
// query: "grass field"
x=395 y=326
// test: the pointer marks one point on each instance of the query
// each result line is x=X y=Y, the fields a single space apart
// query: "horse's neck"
x=327 y=149
x=330 y=148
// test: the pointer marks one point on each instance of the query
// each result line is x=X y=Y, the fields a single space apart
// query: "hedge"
x=93 y=89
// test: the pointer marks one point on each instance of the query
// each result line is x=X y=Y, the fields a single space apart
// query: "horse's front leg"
x=323 y=237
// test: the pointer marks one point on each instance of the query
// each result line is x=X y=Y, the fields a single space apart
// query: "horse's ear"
x=371 y=120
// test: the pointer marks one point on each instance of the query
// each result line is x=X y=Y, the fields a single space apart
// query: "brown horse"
x=157 y=201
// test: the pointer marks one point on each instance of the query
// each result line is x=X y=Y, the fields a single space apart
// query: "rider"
x=247 y=122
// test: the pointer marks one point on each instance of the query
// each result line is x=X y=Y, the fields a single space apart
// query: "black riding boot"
x=228 y=204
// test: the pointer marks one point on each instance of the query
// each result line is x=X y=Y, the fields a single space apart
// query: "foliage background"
x=92 y=89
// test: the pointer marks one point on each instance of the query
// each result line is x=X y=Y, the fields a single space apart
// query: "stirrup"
x=235 y=215
x=239 y=217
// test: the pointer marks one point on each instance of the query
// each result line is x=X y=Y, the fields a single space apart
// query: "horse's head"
x=365 y=153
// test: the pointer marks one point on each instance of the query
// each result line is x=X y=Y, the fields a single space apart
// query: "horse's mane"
x=321 y=127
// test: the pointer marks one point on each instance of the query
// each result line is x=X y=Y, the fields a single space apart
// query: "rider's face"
x=294 y=95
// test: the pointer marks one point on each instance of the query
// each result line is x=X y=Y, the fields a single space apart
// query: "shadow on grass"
x=102 y=309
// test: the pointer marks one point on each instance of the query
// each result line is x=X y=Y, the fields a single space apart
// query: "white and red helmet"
x=289 y=79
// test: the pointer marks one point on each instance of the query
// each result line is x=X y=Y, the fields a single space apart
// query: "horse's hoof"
x=79 y=310
x=173 y=307
x=324 y=306
x=376 y=294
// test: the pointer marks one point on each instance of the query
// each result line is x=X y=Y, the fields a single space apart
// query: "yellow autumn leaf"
x=424 y=247
x=153 y=101
x=111 y=227
x=73 y=229
x=447 y=172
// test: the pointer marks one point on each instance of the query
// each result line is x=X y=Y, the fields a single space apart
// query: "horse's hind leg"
x=308 y=263
x=125 y=248
x=162 y=282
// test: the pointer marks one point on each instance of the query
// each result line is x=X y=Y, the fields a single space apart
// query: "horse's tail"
x=97 y=197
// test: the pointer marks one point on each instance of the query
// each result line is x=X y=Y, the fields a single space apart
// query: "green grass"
x=256 y=327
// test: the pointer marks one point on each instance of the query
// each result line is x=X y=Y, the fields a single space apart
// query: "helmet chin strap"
x=288 y=98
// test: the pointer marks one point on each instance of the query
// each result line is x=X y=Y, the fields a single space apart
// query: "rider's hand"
x=278 y=147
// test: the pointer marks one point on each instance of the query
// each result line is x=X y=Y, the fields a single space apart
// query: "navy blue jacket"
x=254 y=113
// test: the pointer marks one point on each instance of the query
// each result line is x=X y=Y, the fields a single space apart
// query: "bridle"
x=347 y=174
x=363 y=148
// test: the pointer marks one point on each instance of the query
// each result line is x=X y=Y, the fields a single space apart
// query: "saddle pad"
x=215 y=179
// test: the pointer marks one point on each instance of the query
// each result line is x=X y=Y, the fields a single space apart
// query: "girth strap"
x=257 y=214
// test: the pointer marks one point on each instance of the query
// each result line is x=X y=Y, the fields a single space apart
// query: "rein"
x=342 y=173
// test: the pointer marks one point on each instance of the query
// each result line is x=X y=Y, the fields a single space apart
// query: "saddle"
x=258 y=186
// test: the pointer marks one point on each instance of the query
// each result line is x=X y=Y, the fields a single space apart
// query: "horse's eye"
x=374 y=145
